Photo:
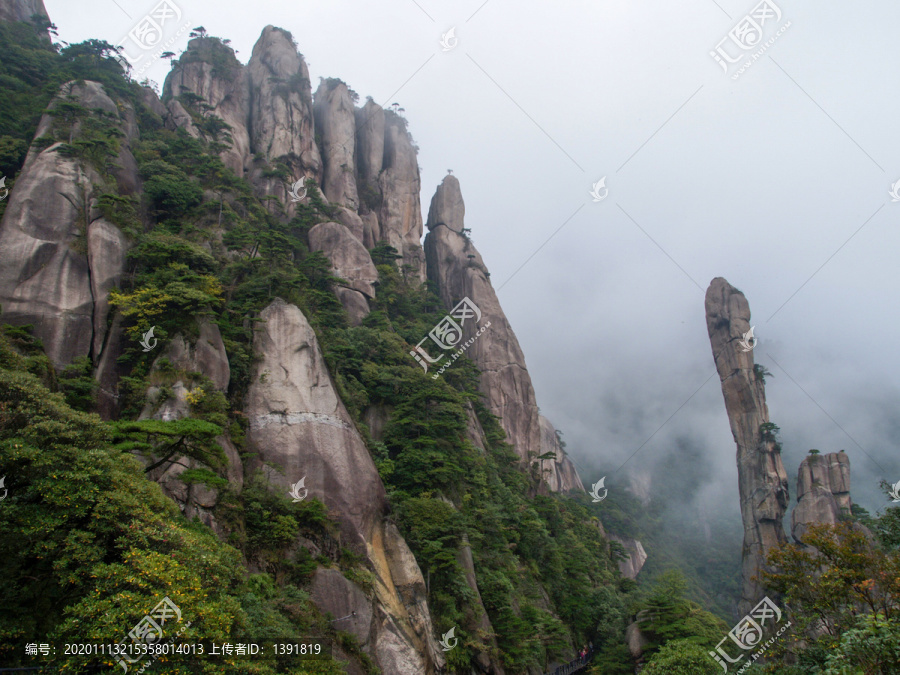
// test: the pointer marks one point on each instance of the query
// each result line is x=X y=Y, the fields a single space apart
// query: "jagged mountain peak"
x=447 y=206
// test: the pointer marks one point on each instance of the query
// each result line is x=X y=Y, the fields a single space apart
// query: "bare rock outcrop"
x=370 y=142
x=633 y=549
x=400 y=215
x=456 y=267
x=350 y=261
x=21 y=10
x=61 y=257
x=208 y=69
x=559 y=472
x=336 y=126
x=281 y=115
x=823 y=491
x=207 y=356
x=762 y=480
x=349 y=258
x=636 y=555
x=298 y=423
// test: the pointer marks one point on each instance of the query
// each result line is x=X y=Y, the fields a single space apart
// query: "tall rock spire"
x=336 y=126
x=400 y=215
x=457 y=269
x=281 y=115
x=823 y=491
x=762 y=480
x=209 y=70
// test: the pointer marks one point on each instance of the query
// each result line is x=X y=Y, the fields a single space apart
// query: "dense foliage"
x=90 y=542
x=100 y=542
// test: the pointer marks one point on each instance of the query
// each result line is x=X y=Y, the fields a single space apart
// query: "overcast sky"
x=778 y=181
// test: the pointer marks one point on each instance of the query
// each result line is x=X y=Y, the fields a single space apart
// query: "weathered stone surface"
x=175 y=407
x=336 y=126
x=178 y=118
x=106 y=249
x=226 y=91
x=457 y=269
x=298 y=423
x=762 y=480
x=352 y=221
x=370 y=141
x=403 y=617
x=207 y=355
x=281 y=116
x=560 y=473
x=637 y=556
x=400 y=216
x=371 y=229
x=635 y=640
x=21 y=10
x=333 y=592
x=474 y=430
x=823 y=491
x=107 y=371
x=151 y=100
x=54 y=239
x=354 y=303
x=349 y=258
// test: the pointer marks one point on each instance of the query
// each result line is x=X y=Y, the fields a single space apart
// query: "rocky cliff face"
x=299 y=425
x=281 y=118
x=208 y=69
x=458 y=271
x=456 y=268
x=762 y=481
x=350 y=261
x=559 y=472
x=21 y=10
x=61 y=256
x=336 y=125
x=632 y=549
x=275 y=124
x=185 y=359
x=823 y=491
